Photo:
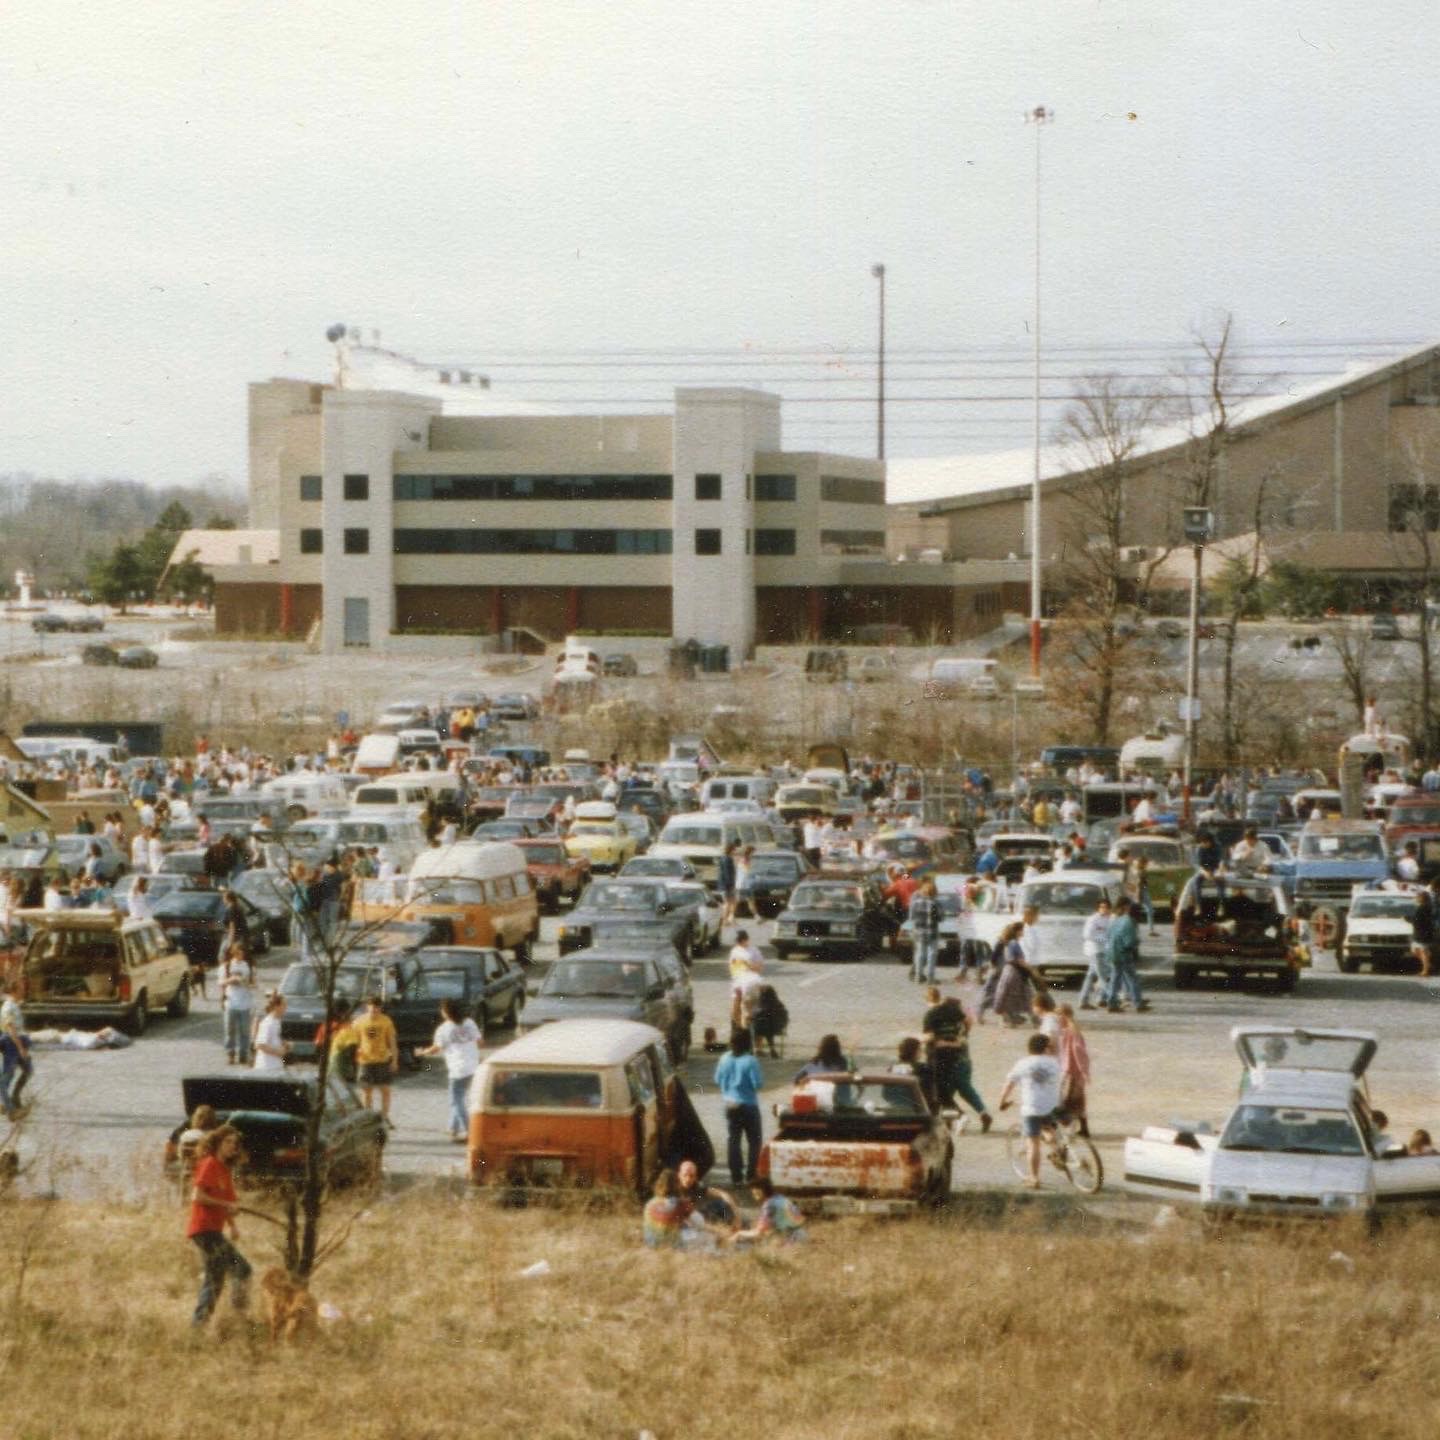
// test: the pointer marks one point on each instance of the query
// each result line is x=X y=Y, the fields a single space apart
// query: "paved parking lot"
x=101 y=1117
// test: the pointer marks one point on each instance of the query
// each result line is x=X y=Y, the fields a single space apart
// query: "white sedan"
x=1302 y=1140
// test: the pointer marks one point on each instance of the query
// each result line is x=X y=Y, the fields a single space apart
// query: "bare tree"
x=1104 y=429
x=1352 y=645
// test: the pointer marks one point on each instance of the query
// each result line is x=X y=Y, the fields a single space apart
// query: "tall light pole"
x=1199 y=526
x=1039 y=117
x=878 y=271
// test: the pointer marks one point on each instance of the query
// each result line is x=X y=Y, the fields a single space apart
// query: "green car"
x=1171 y=865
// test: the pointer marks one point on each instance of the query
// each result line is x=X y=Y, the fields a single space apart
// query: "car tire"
x=1347 y=965
x=179 y=1006
x=782 y=952
x=1286 y=981
x=139 y=1016
x=1184 y=977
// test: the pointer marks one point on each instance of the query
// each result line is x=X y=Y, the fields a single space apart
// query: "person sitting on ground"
x=1420 y=1144
x=713 y=1207
x=779 y=1219
x=663 y=1217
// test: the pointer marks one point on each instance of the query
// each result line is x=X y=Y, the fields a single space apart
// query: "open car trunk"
x=72 y=966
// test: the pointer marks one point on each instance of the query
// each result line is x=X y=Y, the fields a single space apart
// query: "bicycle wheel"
x=1017 y=1152
x=1082 y=1165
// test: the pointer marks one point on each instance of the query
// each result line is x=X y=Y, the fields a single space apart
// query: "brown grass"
x=887 y=1331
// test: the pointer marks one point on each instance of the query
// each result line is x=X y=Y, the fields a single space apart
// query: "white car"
x=1301 y=1141
x=1380 y=931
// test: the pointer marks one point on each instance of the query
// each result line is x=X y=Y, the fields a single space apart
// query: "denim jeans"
x=237 y=1033
x=742 y=1120
x=459 y=1089
x=953 y=1073
x=1125 y=978
x=221 y=1259
x=1097 y=980
x=927 y=951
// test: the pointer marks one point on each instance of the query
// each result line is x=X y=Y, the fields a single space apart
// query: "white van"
x=1157 y=754
x=399 y=839
x=406 y=793
x=701 y=838
x=309 y=793
x=757 y=788
x=577 y=658
x=376 y=755
x=953 y=675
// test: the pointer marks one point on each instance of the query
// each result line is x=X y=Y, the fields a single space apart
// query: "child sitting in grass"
x=779 y=1219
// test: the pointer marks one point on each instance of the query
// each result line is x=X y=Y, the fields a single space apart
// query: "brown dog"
x=290 y=1308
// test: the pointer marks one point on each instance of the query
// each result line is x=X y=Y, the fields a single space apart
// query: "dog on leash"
x=290 y=1309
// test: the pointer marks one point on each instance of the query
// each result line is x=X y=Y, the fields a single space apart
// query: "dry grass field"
x=1009 y=1328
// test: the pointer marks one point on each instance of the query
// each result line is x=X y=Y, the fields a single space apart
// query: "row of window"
x=771 y=488
x=533 y=487
x=852 y=542
x=547 y=542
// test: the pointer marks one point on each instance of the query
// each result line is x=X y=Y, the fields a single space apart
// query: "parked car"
x=860 y=1142
x=648 y=800
x=774 y=874
x=487 y=985
x=698 y=897
x=658 y=867
x=631 y=907
x=1381 y=931
x=196 y=922
x=1301 y=1143
x=98 y=967
x=1169 y=865
x=621 y=665
x=1234 y=928
x=832 y=919
x=51 y=624
x=600 y=984
x=1384 y=627
x=99 y=655
x=137 y=657
x=74 y=852
x=272 y=1114
x=512 y=827
x=598 y=836
x=514 y=706
x=269 y=891
x=557 y=875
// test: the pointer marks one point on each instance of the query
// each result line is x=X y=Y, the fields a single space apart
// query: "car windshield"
x=352 y=982
x=309 y=834
x=190 y=905
x=1388 y=907
x=359 y=832
x=597 y=979
x=447 y=892
x=826 y=897
x=817 y=795
x=691 y=835
x=1057 y=898
x=1157 y=852
x=903 y=847
x=1341 y=847
x=622 y=897
x=657 y=866
x=545 y=854
x=593 y=827
x=783 y=867
x=1406 y=814
x=1292 y=1131
x=263 y=887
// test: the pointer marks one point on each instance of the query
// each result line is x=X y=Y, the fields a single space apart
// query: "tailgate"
x=818 y=1167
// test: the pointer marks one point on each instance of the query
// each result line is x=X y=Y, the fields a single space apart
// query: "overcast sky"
x=192 y=193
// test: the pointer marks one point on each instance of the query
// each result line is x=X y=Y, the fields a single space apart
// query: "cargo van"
x=482 y=890
x=309 y=794
x=582 y=1104
x=701 y=837
x=376 y=755
x=757 y=788
x=408 y=793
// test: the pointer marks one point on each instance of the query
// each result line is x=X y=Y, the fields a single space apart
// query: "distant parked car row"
x=132 y=657
x=51 y=624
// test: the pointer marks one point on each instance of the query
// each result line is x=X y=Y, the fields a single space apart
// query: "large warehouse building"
x=395 y=519
x=1340 y=473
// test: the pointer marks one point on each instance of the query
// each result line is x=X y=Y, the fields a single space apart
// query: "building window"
x=747 y=542
x=707 y=487
x=477 y=541
x=357 y=542
x=309 y=487
x=312 y=542
x=749 y=484
x=774 y=487
x=533 y=487
x=848 y=490
x=852 y=542
x=774 y=542
x=357 y=487
x=707 y=542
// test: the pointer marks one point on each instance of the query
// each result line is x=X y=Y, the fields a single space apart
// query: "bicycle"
x=1072 y=1153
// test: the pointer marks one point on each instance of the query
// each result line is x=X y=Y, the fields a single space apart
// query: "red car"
x=556 y=875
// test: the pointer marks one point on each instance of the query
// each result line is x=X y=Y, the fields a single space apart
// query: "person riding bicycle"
x=1037 y=1077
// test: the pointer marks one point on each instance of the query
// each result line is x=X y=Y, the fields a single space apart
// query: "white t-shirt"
x=1092 y=934
x=235 y=978
x=458 y=1042
x=1408 y=868
x=745 y=960
x=1038 y=1077
x=268 y=1033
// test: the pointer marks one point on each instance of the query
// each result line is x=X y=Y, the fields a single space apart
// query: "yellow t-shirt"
x=377 y=1039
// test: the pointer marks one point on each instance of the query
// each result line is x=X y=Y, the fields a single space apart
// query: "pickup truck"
x=858 y=1143
x=1334 y=856
x=1236 y=927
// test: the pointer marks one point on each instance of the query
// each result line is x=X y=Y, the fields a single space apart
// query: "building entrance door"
x=357 y=622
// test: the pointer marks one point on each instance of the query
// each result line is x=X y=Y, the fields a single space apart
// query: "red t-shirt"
x=213 y=1175
x=901 y=888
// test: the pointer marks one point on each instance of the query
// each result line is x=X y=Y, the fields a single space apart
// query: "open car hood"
x=1289 y=1047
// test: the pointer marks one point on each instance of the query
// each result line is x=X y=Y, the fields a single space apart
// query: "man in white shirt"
x=1250 y=855
x=1143 y=813
x=814 y=840
x=1030 y=943
x=1407 y=868
x=458 y=1039
x=1092 y=942
x=140 y=851
x=1070 y=811
x=1038 y=1078
x=270 y=1048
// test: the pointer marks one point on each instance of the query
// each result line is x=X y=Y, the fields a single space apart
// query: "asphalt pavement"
x=101 y=1117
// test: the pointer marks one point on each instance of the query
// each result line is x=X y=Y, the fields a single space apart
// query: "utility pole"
x=878 y=271
x=1040 y=117
x=1199 y=526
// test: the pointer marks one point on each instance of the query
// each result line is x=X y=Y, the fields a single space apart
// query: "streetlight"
x=1039 y=117
x=878 y=271
x=1198 y=523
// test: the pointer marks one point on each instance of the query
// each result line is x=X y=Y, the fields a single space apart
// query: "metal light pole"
x=1039 y=117
x=878 y=271
x=1199 y=526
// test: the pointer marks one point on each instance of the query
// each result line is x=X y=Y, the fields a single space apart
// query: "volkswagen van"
x=591 y=1104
